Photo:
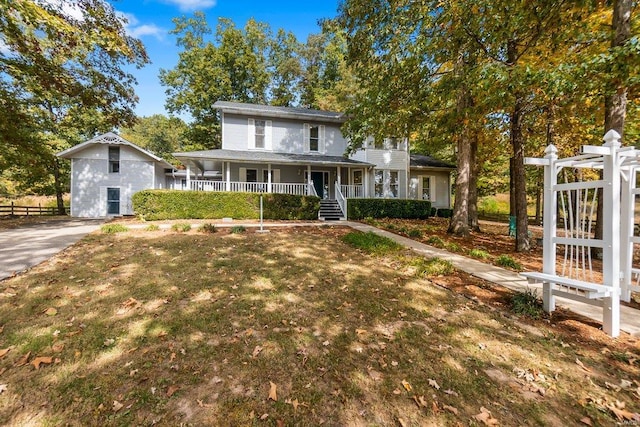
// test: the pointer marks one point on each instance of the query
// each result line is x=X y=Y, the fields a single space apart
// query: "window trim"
x=113 y=161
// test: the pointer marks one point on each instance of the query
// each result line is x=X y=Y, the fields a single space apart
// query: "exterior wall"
x=441 y=180
x=90 y=179
x=287 y=136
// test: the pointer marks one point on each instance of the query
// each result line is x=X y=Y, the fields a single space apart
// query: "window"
x=386 y=183
x=392 y=143
x=252 y=175
x=114 y=159
x=260 y=126
x=275 y=175
x=314 y=138
x=113 y=201
x=425 y=192
x=357 y=177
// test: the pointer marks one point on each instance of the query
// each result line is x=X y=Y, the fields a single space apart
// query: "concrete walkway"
x=629 y=317
x=24 y=247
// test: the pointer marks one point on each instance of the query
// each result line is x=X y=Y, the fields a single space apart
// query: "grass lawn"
x=295 y=327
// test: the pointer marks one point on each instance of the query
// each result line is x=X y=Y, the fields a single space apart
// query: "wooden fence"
x=497 y=217
x=14 y=210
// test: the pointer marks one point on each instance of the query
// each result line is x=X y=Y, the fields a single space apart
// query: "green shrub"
x=432 y=267
x=237 y=229
x=479 y=253
x=527 y=303
x=371 y=242
x=509 y=262
x=175 y=204
x=113 y=228
x=181 y=227
x=208 y=228
x=388 y=208
x=453 y=247
x=444 y=213
x=152 y=227
x=435 y=241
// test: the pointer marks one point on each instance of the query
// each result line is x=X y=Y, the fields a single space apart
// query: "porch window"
x=114 y=159
x=379 y=183
x=357 y=177
x=393 y=183
x=260 y=126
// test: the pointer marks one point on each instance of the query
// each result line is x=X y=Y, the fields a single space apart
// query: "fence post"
x=550 y=225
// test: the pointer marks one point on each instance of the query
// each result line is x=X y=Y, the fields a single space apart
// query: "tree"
x=62 y=70
x=159 y=134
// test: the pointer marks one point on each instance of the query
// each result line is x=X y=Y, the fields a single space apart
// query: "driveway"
x=24 y=247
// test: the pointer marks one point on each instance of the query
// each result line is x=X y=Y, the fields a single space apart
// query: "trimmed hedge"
x=176 y=204
x=445 y=213
x=388 y=208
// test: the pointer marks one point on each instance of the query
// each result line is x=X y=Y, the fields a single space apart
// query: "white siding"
x=440 y=182
x=90 y=179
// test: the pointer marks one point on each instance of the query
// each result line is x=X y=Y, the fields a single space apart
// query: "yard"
x=293 y=327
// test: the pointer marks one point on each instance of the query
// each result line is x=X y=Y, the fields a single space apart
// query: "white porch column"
x=339 y=175
x=269 y=180
x=227 y=186
x=309 y=181
x=188 y=177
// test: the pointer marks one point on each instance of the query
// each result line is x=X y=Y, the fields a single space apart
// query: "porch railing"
x=252 y=187
x=342 y=202
x=352 y=191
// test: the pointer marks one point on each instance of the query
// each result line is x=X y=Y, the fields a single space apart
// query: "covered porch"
x=327 y=177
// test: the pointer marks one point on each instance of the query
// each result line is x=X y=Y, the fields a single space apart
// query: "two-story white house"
x=264 y=149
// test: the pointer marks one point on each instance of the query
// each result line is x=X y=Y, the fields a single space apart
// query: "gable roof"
x=110 y=138
x=279 y=112
x=420 y=161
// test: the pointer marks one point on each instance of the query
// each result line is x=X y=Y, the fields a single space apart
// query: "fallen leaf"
x=579 y=363
x=3 y=388
x=622 y=414
x=256 y=351
x=108 y=342
x=586 y=421
x=117 y=406
x=57 y=347
x=4 y=352
x=450 y=409
x=273 y=395
x=264 y=416
x=41 y=360
x=23 y=360
x=397 y=391
x=420 y=401
x=172 y=389
x=50 y=311
x=433 y=384
x=361 y=331
x=485 y=417
x=402 y=422
x=406 y=385
x=133 y=372
x=451 y=392
x=326 y=343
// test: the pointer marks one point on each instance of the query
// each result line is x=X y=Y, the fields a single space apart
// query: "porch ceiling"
x=196 y=157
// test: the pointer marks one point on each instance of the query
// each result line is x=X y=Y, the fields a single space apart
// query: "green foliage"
x=159 y=134
x=435 y=241
x=479 y=253
x=388 y=208
x=414 y=232
x=371 y=242
x=208 y=228
x=527 y=303
x=238 y=229
x=181 y=227
x=152 y=227
x=508 y=261
x=453 y=247
x=432 y=267
x=113 y=228
x=174 y=204
x=444 y=213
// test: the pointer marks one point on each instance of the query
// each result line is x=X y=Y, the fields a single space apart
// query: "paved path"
x=629 y=317
x=24 y=247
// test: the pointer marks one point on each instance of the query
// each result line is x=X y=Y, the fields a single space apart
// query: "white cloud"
x=137 y=30
x=66 y=8
x=191 y=5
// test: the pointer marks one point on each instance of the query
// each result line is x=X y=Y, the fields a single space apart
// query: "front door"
x=113 y=201
x=318 y=183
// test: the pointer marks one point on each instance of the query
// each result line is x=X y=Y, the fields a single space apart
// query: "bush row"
x=388 y=208
x=175 y=204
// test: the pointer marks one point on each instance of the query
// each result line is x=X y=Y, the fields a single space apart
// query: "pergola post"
x=550 y=220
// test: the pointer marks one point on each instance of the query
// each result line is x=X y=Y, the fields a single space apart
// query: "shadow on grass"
x=167 y=328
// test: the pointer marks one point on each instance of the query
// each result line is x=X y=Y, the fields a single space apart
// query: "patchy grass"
x=371 y=242
x=113 y=228
x=208 y=228
x=431 y=267
x=201 y=329
x=152 y=227
x=181 y=227
x=479 y=253
x=238 y=229
x=527 y=303
x=509 y=262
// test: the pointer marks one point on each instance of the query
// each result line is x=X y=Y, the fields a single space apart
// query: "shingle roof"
x=282 y=112
x=421 y=161
x=268 y=157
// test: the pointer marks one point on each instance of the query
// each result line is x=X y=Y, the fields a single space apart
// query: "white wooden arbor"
x=568 y=268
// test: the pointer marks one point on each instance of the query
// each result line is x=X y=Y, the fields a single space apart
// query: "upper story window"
x=391 y=143
x=314 y=138
x=260 y=128
x=114 y=159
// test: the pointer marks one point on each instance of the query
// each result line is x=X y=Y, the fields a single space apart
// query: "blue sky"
x=150 y=21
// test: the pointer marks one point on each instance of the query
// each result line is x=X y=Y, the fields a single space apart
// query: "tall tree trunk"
x=459 y=224
x=615 y=102
x=58 y=186
x=473 y=183
x=517 y=144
